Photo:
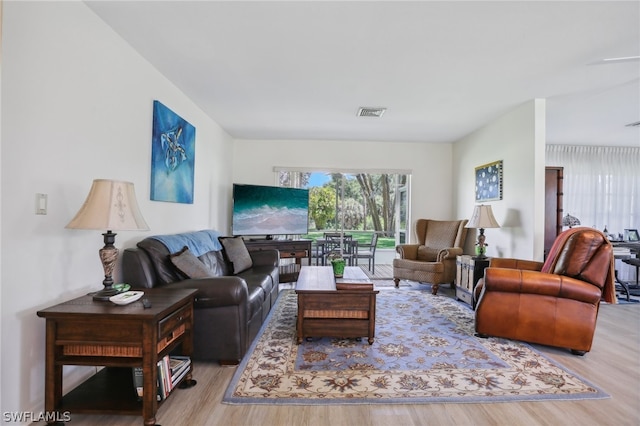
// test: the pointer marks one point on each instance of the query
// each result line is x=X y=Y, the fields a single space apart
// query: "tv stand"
x=289 y=249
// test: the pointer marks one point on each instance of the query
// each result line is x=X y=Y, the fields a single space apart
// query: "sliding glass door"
x=354 y=202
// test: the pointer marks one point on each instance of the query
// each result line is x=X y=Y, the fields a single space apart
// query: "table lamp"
x=111 y=205
x=570 y=221
x=482 y=218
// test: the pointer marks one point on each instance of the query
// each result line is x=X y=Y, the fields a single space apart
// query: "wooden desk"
x=288 y=249
x=328 y=307
x=87 y=332
x=631 y=259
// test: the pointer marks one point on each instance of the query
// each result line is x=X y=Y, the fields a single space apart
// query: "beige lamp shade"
x=110 y=205
x=482 y=217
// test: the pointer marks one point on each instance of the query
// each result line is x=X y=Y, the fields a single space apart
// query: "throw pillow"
x=190 y=265
x=237 y=253
x=427 y=254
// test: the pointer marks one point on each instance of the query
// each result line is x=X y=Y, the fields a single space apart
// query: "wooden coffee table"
x=330 y=307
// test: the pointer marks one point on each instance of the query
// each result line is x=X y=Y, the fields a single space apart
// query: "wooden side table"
x=87 y=332
x=469 y=270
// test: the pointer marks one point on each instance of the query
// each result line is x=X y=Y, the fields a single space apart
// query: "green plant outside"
x=362 y=237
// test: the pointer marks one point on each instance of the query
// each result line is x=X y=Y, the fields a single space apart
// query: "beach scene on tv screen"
x=266 y=210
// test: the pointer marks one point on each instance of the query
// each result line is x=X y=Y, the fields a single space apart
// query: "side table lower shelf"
x=111 y=390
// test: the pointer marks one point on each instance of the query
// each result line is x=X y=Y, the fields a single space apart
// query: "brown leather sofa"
x=553 y=303
x=228 y=309
x=433 y=259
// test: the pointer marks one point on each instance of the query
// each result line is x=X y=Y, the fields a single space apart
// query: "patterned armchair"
x=433 y=259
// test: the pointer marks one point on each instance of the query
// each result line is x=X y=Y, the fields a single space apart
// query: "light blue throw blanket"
x=199 y=242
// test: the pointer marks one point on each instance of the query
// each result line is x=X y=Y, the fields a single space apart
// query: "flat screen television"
x=269 y=210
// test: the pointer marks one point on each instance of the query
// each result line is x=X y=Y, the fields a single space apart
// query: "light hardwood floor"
x=613 y=365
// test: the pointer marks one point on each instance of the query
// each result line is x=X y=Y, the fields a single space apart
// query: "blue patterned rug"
x=425 y=351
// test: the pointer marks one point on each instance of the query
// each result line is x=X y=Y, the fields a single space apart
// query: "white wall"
x=430 y=166
x=77 y=105
x=517 y=138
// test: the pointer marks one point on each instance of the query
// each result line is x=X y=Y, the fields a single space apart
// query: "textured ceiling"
x=301 y=70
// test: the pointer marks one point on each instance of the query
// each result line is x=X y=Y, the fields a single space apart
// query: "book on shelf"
x=177 y=363
x=138 y=383
x=171 y=369
x=182 y=367
x=163 y=390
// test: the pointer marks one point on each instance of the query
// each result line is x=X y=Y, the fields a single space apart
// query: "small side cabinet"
x=468 y=271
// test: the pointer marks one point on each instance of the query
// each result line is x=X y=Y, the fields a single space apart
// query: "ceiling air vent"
x=636 y=124
x=371 y=112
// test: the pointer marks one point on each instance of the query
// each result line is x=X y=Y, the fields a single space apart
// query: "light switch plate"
x=41 y=203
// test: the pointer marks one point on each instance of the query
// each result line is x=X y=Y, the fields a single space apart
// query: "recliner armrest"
x=534 y=282
x=503 y=262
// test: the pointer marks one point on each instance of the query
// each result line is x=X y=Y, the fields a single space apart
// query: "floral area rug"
x=425 y=351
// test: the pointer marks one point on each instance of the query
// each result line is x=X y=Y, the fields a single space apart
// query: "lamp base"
x=104 y=294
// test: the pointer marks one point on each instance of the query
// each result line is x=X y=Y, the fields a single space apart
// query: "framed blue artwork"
x=489 y=181
x=172 y=156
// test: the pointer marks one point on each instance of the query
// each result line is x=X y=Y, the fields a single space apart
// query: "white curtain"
x=601 y=187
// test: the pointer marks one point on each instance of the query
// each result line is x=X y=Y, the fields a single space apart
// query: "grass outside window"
x=363 y=238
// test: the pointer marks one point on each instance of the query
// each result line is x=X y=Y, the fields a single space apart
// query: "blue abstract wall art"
x=172 y=156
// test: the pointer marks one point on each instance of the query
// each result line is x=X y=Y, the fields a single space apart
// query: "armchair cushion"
x=428 y=254
x=441 y=234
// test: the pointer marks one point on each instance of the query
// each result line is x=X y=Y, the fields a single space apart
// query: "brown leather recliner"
x=555 y=303
x=433 y=259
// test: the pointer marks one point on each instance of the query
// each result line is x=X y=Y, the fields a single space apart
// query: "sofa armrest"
x=533 y=282
x=408 y=251
x=503 y=262
x=216 y=292
x=137 y=269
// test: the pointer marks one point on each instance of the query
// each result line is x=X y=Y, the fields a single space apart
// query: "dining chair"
x=336 y=242
x=368 y=251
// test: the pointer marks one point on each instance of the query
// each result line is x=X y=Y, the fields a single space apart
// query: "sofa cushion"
x=190 y=265
x=215 y=261
x=237 y=253
x=259 y=276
